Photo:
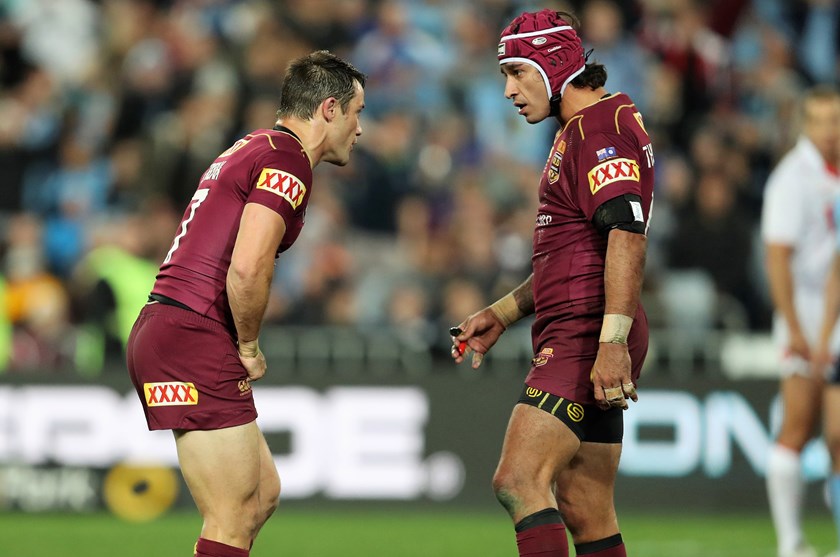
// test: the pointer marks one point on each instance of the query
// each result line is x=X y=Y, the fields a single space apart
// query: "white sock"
x=785 y=489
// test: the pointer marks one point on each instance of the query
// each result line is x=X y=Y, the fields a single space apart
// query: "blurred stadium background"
x=111 y=109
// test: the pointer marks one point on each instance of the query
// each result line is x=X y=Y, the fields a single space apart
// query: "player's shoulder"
x=791 y=168
x=803 y=155
x=615 y=114
x=276 y=148
x=266 y=140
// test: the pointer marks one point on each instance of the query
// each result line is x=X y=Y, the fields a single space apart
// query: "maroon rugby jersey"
x=602 y=152
x=268 y=167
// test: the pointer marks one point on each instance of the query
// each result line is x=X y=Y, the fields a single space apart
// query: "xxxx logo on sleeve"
x=617 y=170
x=172 y=393
x=281 y=183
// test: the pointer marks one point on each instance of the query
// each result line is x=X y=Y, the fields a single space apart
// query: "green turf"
x=308 y=533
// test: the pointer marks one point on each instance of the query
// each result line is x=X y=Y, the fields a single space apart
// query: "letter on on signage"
x=679 y=457
x=378 y=442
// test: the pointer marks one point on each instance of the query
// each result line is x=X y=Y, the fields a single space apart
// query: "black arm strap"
x=623 y=212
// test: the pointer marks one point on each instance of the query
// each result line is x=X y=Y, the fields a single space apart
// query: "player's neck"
x=575 y=100
x=829 y=155
x=311 y=134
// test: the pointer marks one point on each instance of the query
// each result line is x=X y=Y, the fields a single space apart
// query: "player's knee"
x=832 y=443
x=507 y=490
x=576 y=521
x=587 y=516
x=793 y=440
x=272 y=498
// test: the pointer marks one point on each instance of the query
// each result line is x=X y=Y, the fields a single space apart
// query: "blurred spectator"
x=604 y=29
x=59 y=37
x=716 y=236
x=819 y=40
x=29 y=129
x=110 y=285
x=679 y=33
x=6 y=337
x=37 y=302
x=405 y=64
x=67 y=197
x=409 y=316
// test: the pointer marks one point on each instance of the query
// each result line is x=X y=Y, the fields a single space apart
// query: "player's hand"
x=798 y=345
x=820 y=361
x=478 y=333
x=611 y=377
x=252 y=359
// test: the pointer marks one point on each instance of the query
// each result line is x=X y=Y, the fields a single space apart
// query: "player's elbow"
x=247 y=273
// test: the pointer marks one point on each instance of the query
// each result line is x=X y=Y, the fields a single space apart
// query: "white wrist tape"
x=250 y=349
x=615 y=328
x=506 y=310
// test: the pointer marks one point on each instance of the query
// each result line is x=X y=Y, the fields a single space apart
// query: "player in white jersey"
x=798 y=231
x=831 y=395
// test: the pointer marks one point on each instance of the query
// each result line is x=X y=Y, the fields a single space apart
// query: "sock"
x=785 y=489
x=542 y=534
x=209 y=548
x=834 y=489
x=607 y=547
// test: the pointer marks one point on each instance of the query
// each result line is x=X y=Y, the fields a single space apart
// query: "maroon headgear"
x=546 y=41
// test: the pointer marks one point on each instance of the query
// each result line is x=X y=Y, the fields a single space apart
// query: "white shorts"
x=809 y=309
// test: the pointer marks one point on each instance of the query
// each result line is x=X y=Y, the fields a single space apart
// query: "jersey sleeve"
x=608 y=166
x=782 y=214
x=282 y=182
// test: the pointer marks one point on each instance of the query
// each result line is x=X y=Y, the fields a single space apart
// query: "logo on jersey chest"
x=281 y=183
x=554 y=162
x=616 y=170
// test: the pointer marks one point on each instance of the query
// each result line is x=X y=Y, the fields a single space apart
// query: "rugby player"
x=590 y=336
x=798 y=234
x=194 y=352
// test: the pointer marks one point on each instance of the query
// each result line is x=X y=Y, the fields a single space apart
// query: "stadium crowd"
x=110 y=111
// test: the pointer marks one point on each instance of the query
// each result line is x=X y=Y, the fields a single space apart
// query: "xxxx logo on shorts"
x=172 y=393
x=575 y=411
x=542 y=358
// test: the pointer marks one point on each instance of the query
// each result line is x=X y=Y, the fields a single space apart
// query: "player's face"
x=822 y=126
x=525 y=87
x=346 y=129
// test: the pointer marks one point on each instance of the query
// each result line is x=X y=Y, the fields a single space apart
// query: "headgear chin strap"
x=546 y=41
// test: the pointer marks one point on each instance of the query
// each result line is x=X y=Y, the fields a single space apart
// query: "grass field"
x=395 y=534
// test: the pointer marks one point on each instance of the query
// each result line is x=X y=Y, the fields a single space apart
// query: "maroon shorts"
x=566 y=348
x=187 y=372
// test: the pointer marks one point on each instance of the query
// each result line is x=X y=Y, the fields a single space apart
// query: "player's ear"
x=329 y=109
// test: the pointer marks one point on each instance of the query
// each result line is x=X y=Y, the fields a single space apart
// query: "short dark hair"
x=312 y=79
x=594 y=75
